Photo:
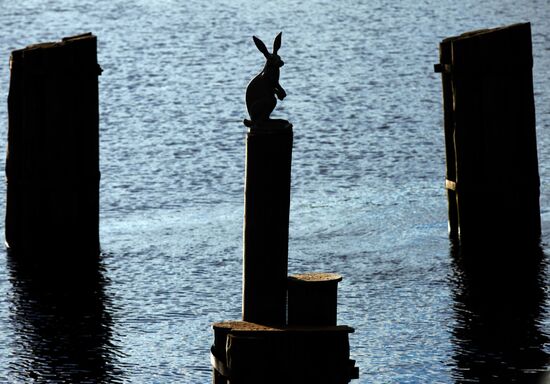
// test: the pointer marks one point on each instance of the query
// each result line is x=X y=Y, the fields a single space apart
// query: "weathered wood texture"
x=292 y=355
x=52 y=164
x=312 y=299
x=490 y=134
x=267 y=204
x=450 y=156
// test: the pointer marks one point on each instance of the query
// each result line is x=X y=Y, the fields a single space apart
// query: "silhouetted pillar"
x=267 y=203
x=52 y=165
x=492 y=165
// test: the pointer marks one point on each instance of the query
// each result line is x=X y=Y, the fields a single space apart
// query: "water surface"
x=367 y=188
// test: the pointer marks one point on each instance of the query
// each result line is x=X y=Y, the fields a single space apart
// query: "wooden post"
x=267 y=203
x=52 y=165
x=312 y=299
x=492 y=129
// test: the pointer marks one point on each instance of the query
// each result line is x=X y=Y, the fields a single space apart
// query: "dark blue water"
x=367 y=190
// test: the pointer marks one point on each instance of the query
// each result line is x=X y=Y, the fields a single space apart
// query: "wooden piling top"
x=245 y=326
x=73 y=55
x=315 y=277
x=487 y=31
x=270 y=127
x=489 y=51
x=64 y=41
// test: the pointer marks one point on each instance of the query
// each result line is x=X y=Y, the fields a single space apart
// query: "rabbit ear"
x=277 y=43
x=261 y=46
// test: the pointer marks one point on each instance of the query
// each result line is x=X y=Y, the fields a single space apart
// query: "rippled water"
x=367 y=197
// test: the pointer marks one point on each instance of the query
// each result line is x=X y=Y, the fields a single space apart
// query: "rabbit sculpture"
x=262 y=89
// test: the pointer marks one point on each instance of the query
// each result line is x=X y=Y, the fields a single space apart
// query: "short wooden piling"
x=52 y=165
x=267 y=204
x=492 y=165
x=312 y=299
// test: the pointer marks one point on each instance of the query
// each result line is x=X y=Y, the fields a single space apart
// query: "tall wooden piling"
x=492 y=165
x=267 y=204
x=52 y=164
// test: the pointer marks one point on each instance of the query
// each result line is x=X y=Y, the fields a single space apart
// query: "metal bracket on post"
x=443 y=68
x=450 y=185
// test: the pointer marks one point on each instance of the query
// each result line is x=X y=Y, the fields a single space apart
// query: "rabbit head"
x=273 y=59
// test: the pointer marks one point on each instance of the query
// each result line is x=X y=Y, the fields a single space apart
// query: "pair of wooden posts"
x=288 y=333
